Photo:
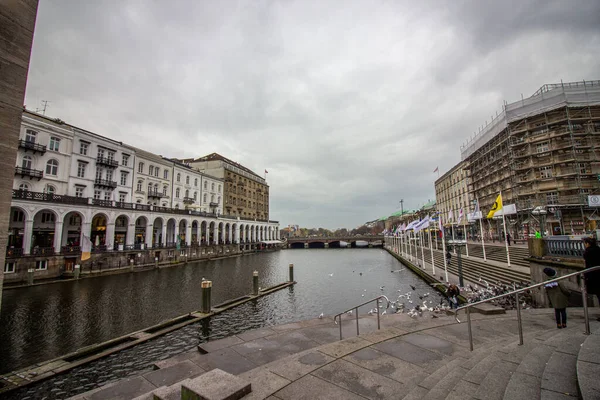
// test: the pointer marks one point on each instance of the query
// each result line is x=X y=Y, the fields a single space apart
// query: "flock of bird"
x=407 y=302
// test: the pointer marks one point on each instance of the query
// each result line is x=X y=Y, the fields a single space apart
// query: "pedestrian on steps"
x=591 y=255
x=559 y=298
x=452 y=293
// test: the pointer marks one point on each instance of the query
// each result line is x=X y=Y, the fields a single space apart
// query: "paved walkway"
x=422 y=358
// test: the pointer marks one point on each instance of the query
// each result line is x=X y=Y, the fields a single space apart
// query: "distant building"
x=245 y=195
x=452 y=194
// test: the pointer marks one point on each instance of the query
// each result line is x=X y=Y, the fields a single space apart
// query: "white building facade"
x=153 y=180
x=72 y=185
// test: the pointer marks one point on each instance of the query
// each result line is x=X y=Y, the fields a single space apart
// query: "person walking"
x=591 y=255
x=448 y=257
x=452 y=293
x=559 y=298
x=508 y=238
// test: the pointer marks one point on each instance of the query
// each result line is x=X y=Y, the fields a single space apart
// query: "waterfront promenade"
x=474 y=266
x=421 y=358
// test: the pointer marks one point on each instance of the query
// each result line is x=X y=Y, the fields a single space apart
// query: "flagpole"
x=466 y=237
x=409 y=248
x=422 y=248
x=505 y=238
x=402 y=242
x=444 y=249
x=453 y=239
x=431 y=252
x=481 y=229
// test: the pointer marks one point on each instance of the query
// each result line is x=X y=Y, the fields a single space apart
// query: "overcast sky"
x=350 y=105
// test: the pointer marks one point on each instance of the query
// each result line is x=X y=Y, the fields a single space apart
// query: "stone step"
x=588 y=365
x=559 y=376
x=215 y=385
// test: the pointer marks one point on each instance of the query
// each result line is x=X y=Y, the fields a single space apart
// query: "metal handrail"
x=355 y=310
x=516 y=294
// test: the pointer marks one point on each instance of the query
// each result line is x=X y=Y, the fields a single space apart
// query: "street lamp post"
x=541 y=212
x=458 y=245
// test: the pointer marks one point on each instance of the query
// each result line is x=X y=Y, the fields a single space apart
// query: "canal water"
x=43 y=322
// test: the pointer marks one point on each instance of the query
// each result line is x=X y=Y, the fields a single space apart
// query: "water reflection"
x=43 y=322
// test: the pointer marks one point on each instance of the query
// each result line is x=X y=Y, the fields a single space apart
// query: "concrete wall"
x=17 y=22
x=561 y=268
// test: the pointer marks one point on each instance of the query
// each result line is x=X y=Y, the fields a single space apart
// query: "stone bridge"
x=334 y=242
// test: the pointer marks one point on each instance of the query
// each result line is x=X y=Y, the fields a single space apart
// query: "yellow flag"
x=496 y=207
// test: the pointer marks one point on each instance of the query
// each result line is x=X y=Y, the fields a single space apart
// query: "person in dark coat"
x=591 y=255
x=559 y=298
x=452 y=293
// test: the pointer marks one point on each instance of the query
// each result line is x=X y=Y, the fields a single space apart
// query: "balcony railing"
x=33 y=173
x=102 y=203
x=101 y=248
x=105 y=183
x=54 y=198
x=48 y=197
x=14 y=252
x=42 y=251
x=188 y=200
x=70 y=250
x=156 y=194
x=33 y=146
x=108 y=162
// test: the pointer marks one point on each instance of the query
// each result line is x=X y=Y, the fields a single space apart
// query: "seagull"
x=330 y=274
x=349 y=312
x=321 y=316
x=412 y=287
x=203 y=279
x=381 y=287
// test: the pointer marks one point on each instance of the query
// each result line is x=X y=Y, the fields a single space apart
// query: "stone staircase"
x=425 y=358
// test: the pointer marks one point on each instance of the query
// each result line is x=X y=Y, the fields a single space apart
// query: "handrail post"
x=356 y=312
x=469 y=325
x=519 y=319
x=340 y=327
x=377 y=309
x=586 y=317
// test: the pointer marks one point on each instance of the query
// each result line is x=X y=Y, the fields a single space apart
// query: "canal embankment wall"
x=109 y=263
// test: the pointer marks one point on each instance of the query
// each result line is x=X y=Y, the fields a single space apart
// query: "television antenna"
x=43 y=110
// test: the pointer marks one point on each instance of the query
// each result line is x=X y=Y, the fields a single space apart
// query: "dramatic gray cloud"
x=349 y=105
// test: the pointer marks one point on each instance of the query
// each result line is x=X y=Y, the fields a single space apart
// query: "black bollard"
x=291 y=272
x=255 y=282
x=206 y=288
